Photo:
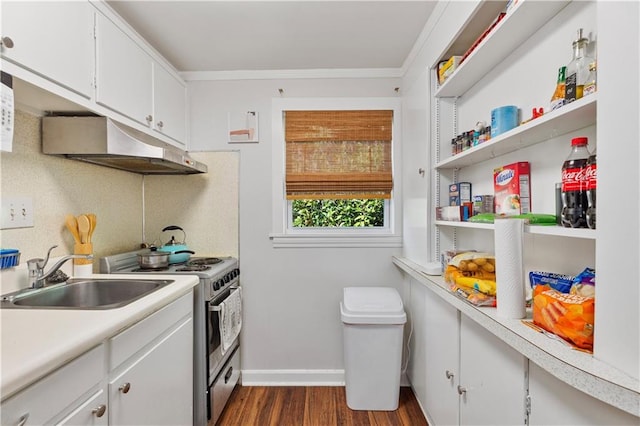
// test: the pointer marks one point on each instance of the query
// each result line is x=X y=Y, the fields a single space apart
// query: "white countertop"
x=578 y=369
x=34 y=342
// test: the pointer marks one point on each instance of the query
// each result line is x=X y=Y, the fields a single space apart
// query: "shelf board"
x=516 y=27
x=558 y=231
x=576 y=115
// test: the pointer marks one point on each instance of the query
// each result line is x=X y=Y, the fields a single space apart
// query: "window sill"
x=335 y=241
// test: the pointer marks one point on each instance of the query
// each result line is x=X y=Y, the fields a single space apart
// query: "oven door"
x=216 y=357
x=216 y=354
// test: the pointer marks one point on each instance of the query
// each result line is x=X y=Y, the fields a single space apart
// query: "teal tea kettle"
x=179 y=252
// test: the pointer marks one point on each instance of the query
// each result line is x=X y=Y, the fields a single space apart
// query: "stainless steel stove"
x=216 y=355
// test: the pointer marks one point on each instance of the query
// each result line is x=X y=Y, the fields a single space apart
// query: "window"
x=335 y=183
x=338 y=167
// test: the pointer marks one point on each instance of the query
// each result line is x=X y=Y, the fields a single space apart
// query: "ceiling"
x=214 y=36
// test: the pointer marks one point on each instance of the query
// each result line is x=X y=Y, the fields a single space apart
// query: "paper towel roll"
x=510 y=291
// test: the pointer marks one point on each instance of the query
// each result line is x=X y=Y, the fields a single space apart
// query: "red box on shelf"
x=512 y=188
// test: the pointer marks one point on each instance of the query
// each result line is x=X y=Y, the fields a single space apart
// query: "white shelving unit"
x=559 y=231
x=575 y=116
x=517 y=26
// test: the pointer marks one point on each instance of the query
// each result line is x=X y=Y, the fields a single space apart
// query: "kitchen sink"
x=87 y=294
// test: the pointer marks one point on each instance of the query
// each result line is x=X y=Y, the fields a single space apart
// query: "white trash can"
x=373 y=320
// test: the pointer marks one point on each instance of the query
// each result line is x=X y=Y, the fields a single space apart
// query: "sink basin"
x=87 y=294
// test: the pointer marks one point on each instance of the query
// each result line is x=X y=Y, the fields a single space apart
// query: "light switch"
x=17 y=212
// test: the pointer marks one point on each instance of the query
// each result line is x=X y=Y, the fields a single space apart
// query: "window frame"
x=283 y=233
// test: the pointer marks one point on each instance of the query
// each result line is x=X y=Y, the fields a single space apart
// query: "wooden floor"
x=311 y=406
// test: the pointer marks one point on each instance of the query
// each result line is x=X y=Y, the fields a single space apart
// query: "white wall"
x=292 y=328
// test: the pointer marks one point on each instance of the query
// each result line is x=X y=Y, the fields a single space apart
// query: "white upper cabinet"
x=169 y=104
x=130 y=82
x=51 y=39
x=123 y=73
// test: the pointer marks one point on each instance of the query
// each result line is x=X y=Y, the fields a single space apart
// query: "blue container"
x=9 y=258
x=503 y=119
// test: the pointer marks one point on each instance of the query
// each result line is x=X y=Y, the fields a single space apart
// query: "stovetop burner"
x=163 y=268
x=193 y=268
x=204 y=261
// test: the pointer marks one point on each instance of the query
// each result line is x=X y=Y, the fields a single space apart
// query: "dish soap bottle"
x=557 y=100
x=578 y=69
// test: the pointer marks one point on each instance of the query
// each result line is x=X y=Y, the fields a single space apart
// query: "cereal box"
x=511 y=188
x=459 y=193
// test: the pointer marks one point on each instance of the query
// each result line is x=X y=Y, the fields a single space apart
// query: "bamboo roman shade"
x=338 y=154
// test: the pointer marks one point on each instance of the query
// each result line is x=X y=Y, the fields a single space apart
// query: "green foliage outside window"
x=338 y=213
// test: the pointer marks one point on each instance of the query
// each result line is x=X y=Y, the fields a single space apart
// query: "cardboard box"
x=459 y=193
x=448 y=68
x=453 y=213
x=512 y=189
x=482 y=204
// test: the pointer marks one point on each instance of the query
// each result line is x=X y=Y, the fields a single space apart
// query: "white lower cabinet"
x=58 y=395
x=415 y=296
x=471 y=377
x=554 y=402
x=92 y=412
x=150 y=384
x=442 y=328
x=492 y=382
x=156 y=387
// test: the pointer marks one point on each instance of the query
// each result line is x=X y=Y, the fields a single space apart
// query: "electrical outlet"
x=17 y=212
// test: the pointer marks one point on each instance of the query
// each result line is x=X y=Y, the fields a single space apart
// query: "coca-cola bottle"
x=574 y=185
x=592 y=183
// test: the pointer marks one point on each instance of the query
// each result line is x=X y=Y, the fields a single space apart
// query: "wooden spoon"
x=93 y=220
x=83 y=228
x=72 y=225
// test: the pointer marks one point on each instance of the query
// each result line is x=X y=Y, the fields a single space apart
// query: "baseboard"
x=298 y=378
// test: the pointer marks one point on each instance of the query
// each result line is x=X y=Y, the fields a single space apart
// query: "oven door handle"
x=217 y=308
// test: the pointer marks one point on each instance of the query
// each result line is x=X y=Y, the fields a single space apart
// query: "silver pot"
x=156 y=259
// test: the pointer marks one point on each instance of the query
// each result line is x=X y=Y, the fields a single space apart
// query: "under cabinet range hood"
x=103 y=141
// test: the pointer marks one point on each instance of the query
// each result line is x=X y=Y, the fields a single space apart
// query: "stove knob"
x=227 y=278
x=216 y=285
x=220 y=283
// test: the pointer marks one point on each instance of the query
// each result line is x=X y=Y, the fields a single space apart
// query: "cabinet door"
x=52 y=39
x=554 y=402
x=416 y=369
x=442 y=360
x=92 y=412
x=492 y=378
x=123 y=72
x=169 y=100
x=157 y=387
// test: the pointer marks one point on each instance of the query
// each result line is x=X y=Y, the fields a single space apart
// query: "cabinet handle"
x=149 y=118
x=100 y=410
x=160 y=124
x=421 y=171
x=228 y=375
x=449 y=374
x=461 y=390
x=23 y=419
x=125 y=388
x=6 y=42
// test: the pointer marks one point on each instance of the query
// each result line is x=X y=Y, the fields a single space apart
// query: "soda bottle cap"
x=579 y=141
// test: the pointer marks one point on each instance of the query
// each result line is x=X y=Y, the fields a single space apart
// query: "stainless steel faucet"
x=37 y=275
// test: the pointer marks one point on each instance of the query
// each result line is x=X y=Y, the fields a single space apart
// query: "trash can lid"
x=372 y=305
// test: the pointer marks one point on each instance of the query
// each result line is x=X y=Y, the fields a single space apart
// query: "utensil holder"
x=83 y=248
x=82 y=267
